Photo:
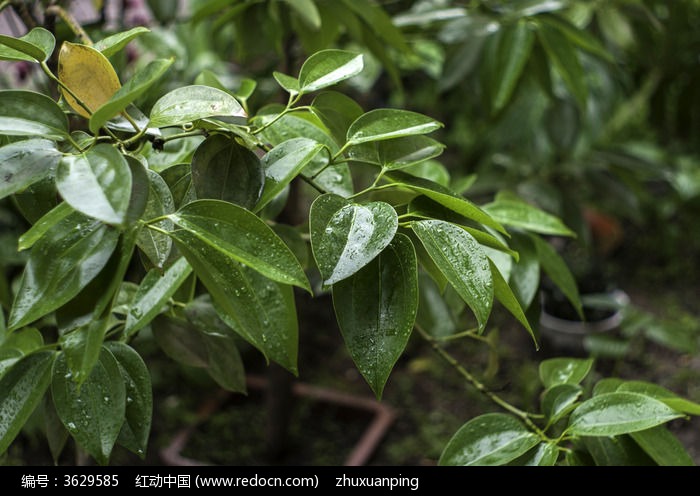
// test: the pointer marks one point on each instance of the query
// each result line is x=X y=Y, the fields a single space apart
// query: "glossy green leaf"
x=224 y=170
x=307 y=11
x=56 y=433
x=156 y=245
x=525 y=274
x=54 y=216
x=288 y=83
x=663 y=447
x=139 y=398
x=60 y=265
x=82 y=347
x=94 y=412
x=564 y=371
x=559 y=400
x=138 y=199
x=434 y=314
x=154 y=292
x=21 y=390
x=611 y=414
x=25 y=162
x=404 y=152
x=662 y=394
x=192 y=103
x=96 y=183
x=328 y=67
x=523 y=215
x=179 y=181
x=618 y=451
x=35 y=46
x=376 y=310
x=444 y=197
x=491 y=439
x=557 y=270
x=564 y=58
x=180 y=341
x=514 y=48
x=134 y=88
x=383 y=124
x=462 y=261
x=114 y=43
x=283 y=163
x=225 y=364
x=240 y=235
x=25 y=113
x=37 y=200
x=345 y=237
x=337 y=112
x=607 y=385
x=258 y=309
x=582 y=38
x=504 y=294
x=542 y=455
x=24 y=341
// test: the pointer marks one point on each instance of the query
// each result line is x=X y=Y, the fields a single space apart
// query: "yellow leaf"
x=89 y=76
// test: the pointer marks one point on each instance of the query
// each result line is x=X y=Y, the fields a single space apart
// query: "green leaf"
x=564 y=371
x=154 y=292
x=180 y=341
x=514 y=48
x=434 y=314
x=491 y=439
x=404 y=152
x=662 y=394
x=579 y=37
x=21 y=390
x=192 y=103
x=224 y=363
x=612 y=414
x=224 y=170
x=94 y=412
x=505 y=295
x=138 y=199
x=288 y=83
x=60 y=265
x=23 y=163
x=523 y=215
x=559 y=400
x=376 y=310
x=96 y=183
x=564 y=58
x=615 y=451
x=525 y=273
x=258 y=309
x=114 y=43
x=35 y=46
x=345 y=236
x=156 y=245
x=56 y=433
x=179 y=181
x=558 y=272
x=25 y=113
x=240 y=235
x=54 y=216
x=542 y=455
x=307 y=11
x=337 y=112
x=462 y=261
x=82 y=348
x=283 y=163
x=383 y=124
x=139 y=398
x=663 y=447
x=444 y=197
x=134 y=88
x=607 y=385
x=328 y=67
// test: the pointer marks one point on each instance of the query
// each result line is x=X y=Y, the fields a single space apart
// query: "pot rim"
x=577 y=327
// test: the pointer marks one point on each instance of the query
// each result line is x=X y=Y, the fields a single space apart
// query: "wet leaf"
x=114 y=43
x=383 y=124
x=25 y=113
x=376 y=310
x=154 y=292
x=504 y=294
x=337 y=112
x=224 y=170
x=663 y=447
x=192 y=103
x=347 y=236
x=404 y=152
x=328 y=67
x=94 y=412
x=612 y=414
x=557 y=270
x=139 y=398
x=491 y=439
x=559 y=400
x=35 y=46
x=462 y=261
x=23 y=163
x=242 y=236
x=523 y=215
x=564 y=371
x=525 y=274
x=156 y=245
x=96 y=183
x=88 y=75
